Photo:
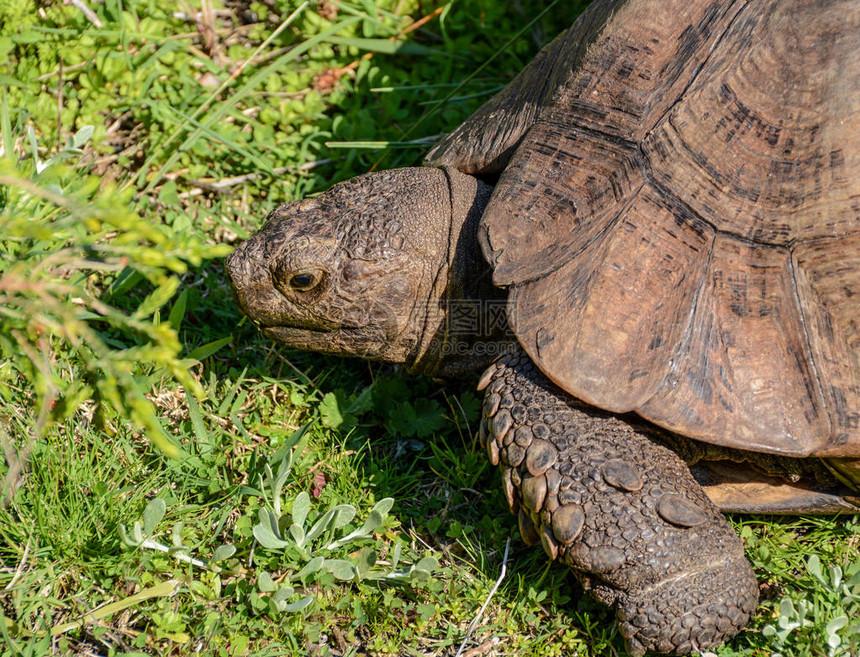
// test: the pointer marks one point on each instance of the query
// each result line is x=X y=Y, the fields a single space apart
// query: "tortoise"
x=666 y=204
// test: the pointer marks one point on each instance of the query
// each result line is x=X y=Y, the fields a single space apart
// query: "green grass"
x=144 y=425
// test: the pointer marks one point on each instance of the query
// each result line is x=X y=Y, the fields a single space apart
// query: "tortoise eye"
x=303 y=281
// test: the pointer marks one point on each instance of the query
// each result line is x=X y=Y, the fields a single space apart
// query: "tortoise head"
x=367 y=268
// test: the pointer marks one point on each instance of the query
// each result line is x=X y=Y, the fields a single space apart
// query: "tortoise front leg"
x=622 y=511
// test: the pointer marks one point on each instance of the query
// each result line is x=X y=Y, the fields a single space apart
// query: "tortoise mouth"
x=337 y=341
x=301 y=338
x=289 y=334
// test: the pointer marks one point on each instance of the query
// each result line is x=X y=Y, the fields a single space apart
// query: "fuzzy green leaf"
x=321 y=525
x=129 y=540
x=283 y=593
x=223 y=552
x=365 y=561
x=152 y=515
x=311 y=567
x=266 y=537
x=428 y=563
x=340 y=568
x=265 y=582
x=383 y=506
x=374 y=520
x=395 y=554
x=293 y=607
x=298 y=534
x=343 y=515
x=301 y=506
x=82 y=136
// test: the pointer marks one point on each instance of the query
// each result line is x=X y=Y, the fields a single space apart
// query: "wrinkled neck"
x=466 y=320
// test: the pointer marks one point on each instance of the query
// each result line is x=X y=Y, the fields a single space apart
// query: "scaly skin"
x=622 y=511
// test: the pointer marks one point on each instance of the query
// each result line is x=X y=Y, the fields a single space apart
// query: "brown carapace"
x=679 y=228
x=674 y=222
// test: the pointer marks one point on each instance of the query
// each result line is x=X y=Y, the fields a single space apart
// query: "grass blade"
x=162 y=590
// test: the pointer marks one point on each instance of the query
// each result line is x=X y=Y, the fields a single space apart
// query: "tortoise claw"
x=623 y=512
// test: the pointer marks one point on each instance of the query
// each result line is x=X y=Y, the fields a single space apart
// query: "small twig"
x=21 y=565
x=487 y=601
x=117 y=123
x=422 y=21
x=224 y=184
x=67 y=69
x=206 y=24
x=59 y=104
x=89 y=13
